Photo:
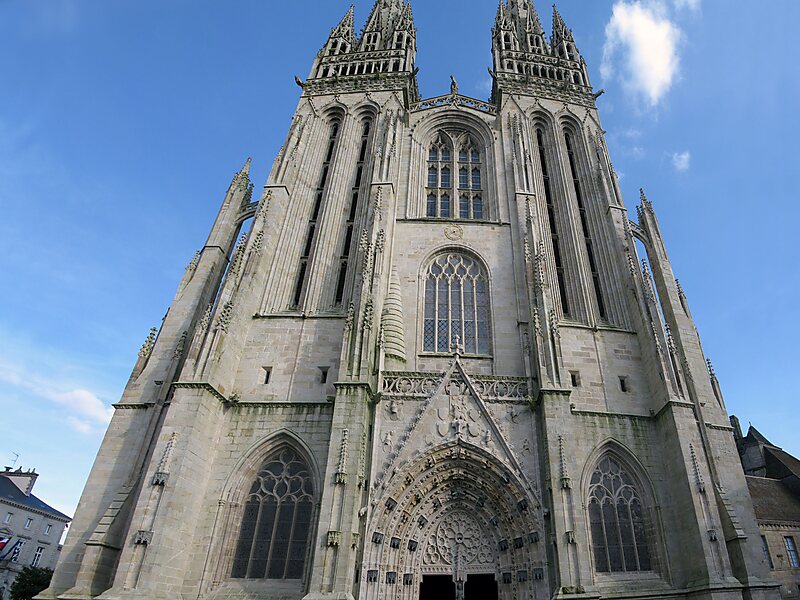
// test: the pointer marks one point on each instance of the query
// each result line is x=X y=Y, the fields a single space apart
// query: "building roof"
x=772 y=500
x=11 y=493
x=756 y=435
x=781 y=464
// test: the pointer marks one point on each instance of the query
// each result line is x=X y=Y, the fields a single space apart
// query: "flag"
x=4 y=539
x=13 y=551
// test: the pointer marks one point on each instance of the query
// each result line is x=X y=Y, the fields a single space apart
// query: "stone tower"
x=433 y=366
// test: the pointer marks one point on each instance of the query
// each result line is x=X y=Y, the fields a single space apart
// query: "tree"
x=29 y=582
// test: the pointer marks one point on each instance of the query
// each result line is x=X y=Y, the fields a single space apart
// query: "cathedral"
x=427 y=362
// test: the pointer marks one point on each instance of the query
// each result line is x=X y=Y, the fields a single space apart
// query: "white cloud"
x=84 y=411
x=641 y=49
x=638 y=152
x=682 y=160
x=79 y=425
x=692 y=5
x=83 y=403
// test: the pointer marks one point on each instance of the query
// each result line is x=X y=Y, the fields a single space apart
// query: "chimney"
x=737 y=428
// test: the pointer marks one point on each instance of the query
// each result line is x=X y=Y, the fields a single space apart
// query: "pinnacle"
x=346 y=27
x=560 y=30
x=246 y=169
x=406 y=21
x=533 y=24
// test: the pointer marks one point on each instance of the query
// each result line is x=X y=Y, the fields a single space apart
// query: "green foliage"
x=29 y=582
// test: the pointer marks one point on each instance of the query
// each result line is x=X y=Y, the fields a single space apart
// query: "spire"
x=526 y=16
x=503 y=19
x=561 y=33
x=406 y=21
x=534 y=25
x=345 y=30
x=246 y=169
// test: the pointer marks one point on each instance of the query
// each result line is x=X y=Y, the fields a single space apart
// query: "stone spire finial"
x=711 y=372
x=406 y=21
x=561 y=33
x=346 y=28
x=502 y=20
x=646 y=204
x=534 y=24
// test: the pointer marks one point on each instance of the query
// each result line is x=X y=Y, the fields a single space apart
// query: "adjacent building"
x=30 y=529
x=427 y=362
x=773 y=478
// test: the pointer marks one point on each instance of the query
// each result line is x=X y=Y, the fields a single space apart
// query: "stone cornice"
x=35 y=511
x=203 y=385
x=612 y=415
x=132 y=405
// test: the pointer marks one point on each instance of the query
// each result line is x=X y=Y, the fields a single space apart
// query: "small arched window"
x=617 y=520
x=456 y=306
x=276 y=525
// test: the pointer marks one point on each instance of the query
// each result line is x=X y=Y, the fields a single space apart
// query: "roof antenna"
x=16 y=458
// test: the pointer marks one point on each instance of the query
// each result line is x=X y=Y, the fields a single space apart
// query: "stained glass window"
x=456 y=306
x=617 y=520
x=276 y=524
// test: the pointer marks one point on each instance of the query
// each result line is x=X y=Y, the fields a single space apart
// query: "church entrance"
x=442 y=587
x=437 y=587
x=480 y=587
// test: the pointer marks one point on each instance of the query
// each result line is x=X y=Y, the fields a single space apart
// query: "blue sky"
x=121 y=124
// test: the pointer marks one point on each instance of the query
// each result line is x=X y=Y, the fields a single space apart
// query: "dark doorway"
x=480 y=587
x=438 y=587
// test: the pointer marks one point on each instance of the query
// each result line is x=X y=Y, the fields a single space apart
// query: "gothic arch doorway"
x=454 y=523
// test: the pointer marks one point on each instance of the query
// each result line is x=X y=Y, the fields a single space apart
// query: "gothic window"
x=311 y=230
x=440 y=184
x=587 y=236
x=454 y=182
x=456 y=305
x=371 y=41
x=555 y=239
x=469 y=182
x=617 y=520
x=276 y=525
x=355 y=196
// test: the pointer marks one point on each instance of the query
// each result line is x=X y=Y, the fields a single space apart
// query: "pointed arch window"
x=276 y=526
x=555 y=238
x=356 y=195
x=311 y=231
x=455 y=181
x=617 y=520
x=587 y=235
x=440 y=178
x=456 y=306
x=470 y=191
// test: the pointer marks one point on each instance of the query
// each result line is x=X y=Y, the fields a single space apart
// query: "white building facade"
x=30 y=529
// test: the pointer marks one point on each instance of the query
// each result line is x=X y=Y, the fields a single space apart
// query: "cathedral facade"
x=426 y=362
